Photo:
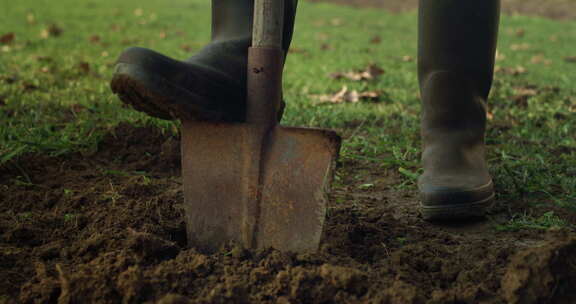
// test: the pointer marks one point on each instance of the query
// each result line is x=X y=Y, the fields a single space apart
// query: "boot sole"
x=158 y=97
x=457 y=211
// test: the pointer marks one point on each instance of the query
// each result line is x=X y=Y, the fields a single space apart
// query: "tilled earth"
x=107 y=227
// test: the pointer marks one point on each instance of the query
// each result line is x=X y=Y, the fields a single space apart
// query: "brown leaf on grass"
x=528 y=91
x=372 y=71
x=489 y=115
x=520 y=47
x=570 y=59
x=519 y=70
x=325 y=46
x=407 y=58
x=376 y=39
x=30 y=18
x=84 y=67
x=187 y=48
x=8 y=79
x=520 y=33
x=7 y=38
x=51 y=30
x=336 y=22
x=138 y=12
x=77 y=108
x=348 y=96
x=95 y=39
x=523 y=94
x=27 y=87
x=539 y=59
x=295 y=50
x=163 y=35
x=43 y=59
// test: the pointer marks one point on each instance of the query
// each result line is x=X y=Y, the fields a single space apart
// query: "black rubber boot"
x=457 y=44
x=211 y=85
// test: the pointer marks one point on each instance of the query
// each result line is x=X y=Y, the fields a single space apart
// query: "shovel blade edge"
x=296 y=173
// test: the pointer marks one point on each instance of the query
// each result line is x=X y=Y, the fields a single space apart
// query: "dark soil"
x=554 y=9
x=108 y=228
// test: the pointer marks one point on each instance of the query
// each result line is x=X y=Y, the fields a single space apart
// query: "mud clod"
x=544 y=274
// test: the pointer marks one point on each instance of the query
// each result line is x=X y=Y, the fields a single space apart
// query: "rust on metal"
x=257 y=183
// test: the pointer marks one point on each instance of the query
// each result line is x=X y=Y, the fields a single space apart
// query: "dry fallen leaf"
x=295 y=50
x=77 y=108
x=519 y=70
x=520 y=47
x=84 y=67
x=43 y=58
x=336 y=22
x=372 y=71
x=187 y=48
x=26 y=86
x=489 y=115
x=407 y=58
x=163 y=35
x=325 y=46
x=30 y=18
x=376 y=40
x=138 y=12
x=528 y=91
x=348 y=96
x=8 y=79
x=7 y=38
x=95 y=39
x=52 y=30
x=539 y=59
x=500 y=56
x=520 y=33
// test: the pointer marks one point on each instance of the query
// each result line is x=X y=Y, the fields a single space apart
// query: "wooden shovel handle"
x=268 y=23
x=265 y=63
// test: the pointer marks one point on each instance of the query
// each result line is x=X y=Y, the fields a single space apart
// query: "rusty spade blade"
x=257 y=183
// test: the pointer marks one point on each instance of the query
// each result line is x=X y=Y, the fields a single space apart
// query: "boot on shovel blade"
x=257 y=183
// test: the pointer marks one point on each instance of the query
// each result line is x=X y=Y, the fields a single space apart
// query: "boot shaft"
x=233 y=19
x=458 y=36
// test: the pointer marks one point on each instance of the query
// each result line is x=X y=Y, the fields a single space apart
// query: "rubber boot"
x=211 y=85
x=457 y=44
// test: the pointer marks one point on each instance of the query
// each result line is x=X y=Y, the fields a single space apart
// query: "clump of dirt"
x=545 y=274
x=109 y=228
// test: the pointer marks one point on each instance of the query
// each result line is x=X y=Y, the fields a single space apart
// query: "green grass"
x=524 y=221
x=54 y=104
